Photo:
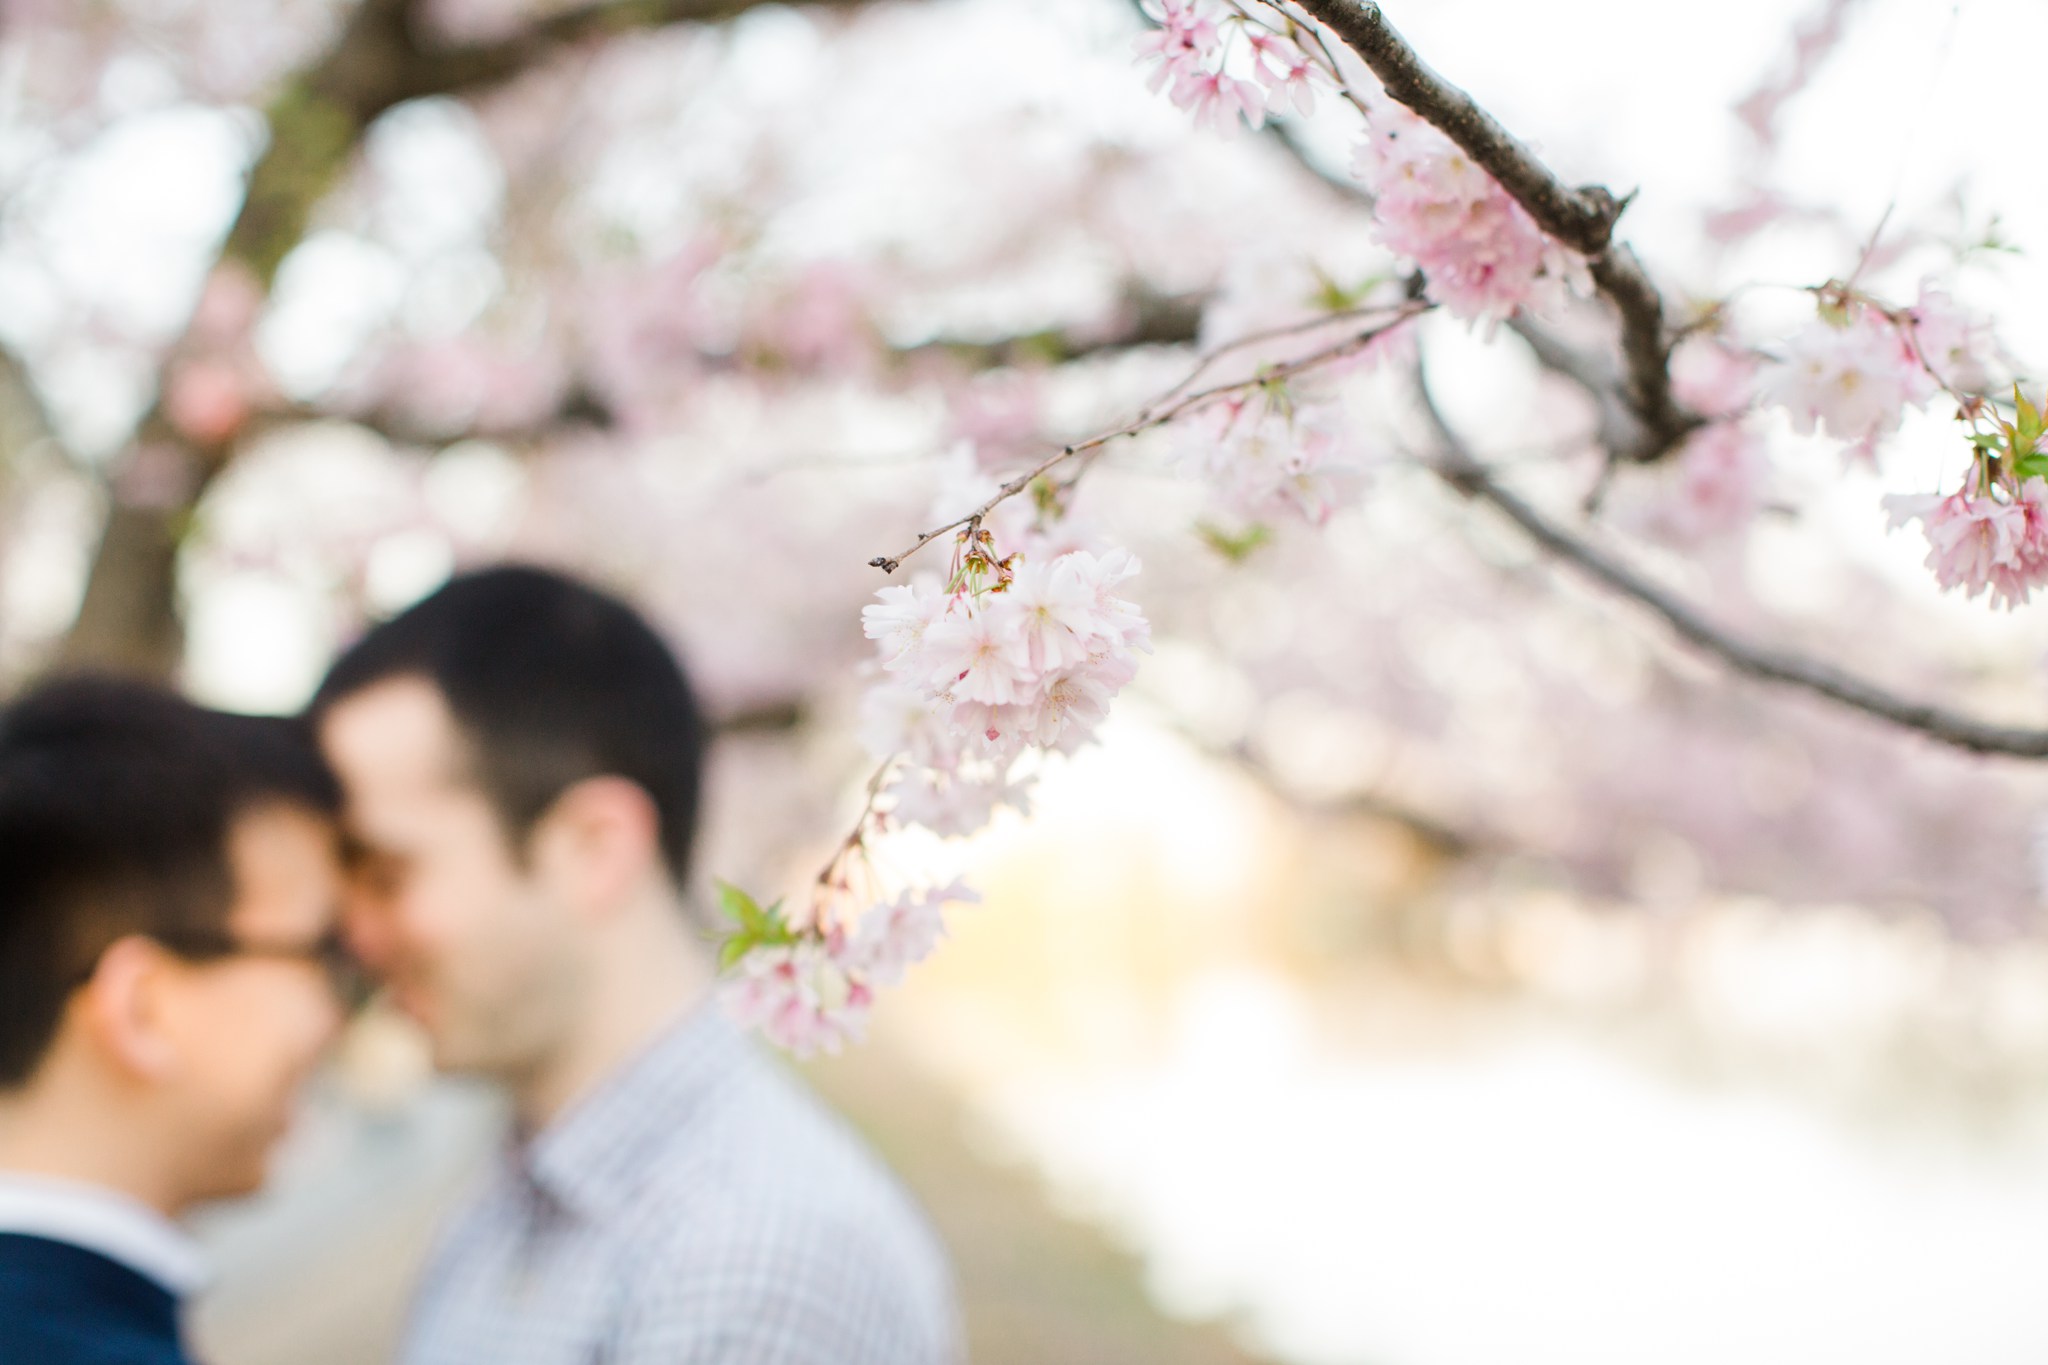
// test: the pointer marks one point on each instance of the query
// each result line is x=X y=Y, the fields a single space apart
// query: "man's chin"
x=240 y=1179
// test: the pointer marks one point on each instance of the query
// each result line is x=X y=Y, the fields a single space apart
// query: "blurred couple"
x=490 y=806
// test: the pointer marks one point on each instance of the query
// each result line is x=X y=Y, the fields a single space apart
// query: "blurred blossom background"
x=1432 y=964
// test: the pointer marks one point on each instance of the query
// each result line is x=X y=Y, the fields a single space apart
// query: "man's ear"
x=122 y=1008
x=598 y=842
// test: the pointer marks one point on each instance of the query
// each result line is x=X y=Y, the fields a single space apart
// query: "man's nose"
x=333 y=1013
x=369 y=927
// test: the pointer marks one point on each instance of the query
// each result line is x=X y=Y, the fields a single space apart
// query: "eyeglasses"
x=330 y=953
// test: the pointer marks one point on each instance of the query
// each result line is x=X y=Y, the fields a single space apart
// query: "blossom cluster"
x=811 y=992
x=1481 y=255
x=1265 y=453
x=1858 y=366
x=1979 y=540
x=1853 y=374
x=1709 y=490
x=1193 y=59
x=1992 y=533
x=1010 y=654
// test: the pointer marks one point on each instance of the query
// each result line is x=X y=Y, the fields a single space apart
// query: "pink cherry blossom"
x=893 y=936
x=980 y=653
x=1218 y=99
x=1971 y=538
x=1056 y=609
x=1481 y=254
x=1117 y=622
x=1710 y=489
x=1711 y=377
x=1854 y=375
x=1287 y=72
x=1185 y=41
x=1954 y=343
x=896 y=718
x=954 y=804
x=976 y=679
x=1264 y=457
x=802 y=995
x=2014 y=580
x=900 y=620
x=1069 y=706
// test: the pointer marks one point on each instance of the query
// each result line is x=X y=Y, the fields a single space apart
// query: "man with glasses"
x=169 y=973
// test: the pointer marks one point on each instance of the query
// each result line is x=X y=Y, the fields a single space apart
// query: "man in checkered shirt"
x=522 y=758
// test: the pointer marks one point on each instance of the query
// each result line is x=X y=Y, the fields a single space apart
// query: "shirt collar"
x=105 y=1221
x=595 y=1156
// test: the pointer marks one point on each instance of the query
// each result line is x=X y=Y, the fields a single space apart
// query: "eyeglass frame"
x=339 y=967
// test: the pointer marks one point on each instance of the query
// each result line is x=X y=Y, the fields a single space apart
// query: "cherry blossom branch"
x=1156 y=415
x=831 y=876
x=1457 y=467
x=1581 y=218
x=1149 y=318
x=1619 y=429
x=1236 y=344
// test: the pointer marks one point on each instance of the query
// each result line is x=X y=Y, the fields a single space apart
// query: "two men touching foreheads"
x=519 y=761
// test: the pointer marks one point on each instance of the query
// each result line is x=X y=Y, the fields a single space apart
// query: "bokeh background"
x=1432 y=964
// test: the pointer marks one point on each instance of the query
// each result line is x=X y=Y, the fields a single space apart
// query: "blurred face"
x=474 y=947
x=247 y=1027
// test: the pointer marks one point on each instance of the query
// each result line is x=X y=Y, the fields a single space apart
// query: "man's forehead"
x=397 y=732
x=283 y=857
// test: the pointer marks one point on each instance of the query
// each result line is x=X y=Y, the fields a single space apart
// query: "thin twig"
x=1155 y=415
x=1279 y=333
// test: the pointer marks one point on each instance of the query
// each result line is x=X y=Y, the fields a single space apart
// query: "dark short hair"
x=116 y=801
x=550 y=681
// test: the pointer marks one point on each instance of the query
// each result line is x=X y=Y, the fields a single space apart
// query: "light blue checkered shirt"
x=700 y=1208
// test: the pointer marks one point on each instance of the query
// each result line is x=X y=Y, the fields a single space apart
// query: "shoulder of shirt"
x=774 y=1170
x=768 y=1142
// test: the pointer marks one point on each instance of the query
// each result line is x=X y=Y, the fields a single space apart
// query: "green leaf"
x=1234 y=546
x=2028 y=428
x=732 y=950
x=738 y=905
x=2034 y=466
x=773 y=928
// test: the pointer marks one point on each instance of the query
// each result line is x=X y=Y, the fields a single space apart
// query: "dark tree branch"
x=464 y=70
x=1646 y=342
x=1456 y=466
x=1581 y=218
x=775 y=717
x=1618 y=427
x=129 y=616
x=24 y=425
x=1149 y=319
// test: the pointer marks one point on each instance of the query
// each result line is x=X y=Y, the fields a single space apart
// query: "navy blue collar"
x=56 y=1292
